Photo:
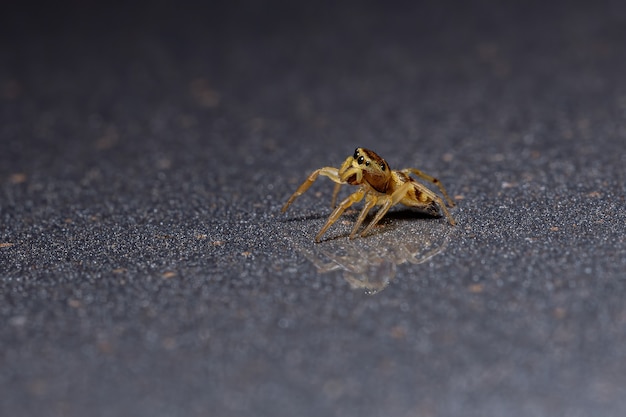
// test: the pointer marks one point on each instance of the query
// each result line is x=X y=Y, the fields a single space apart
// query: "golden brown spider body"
x=380 y=186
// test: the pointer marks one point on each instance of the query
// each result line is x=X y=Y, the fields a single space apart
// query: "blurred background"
x=146 y=150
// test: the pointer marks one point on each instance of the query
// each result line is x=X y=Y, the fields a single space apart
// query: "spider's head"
x=367 y=166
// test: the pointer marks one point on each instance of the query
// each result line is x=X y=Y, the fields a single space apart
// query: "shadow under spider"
x=305 y=217
x=387 y=223
x=352 y=214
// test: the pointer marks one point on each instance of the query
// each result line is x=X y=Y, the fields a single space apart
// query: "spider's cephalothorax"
x=380 y=186
x=366 y=166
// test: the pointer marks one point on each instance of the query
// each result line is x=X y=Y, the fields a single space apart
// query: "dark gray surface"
x=146 y=268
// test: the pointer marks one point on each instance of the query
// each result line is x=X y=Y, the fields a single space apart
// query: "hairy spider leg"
x=351 y=199
x=441 y=204
x=432 y=179
x=415 y=199
x=330 y=172
x=389 y=201
x=333 y=202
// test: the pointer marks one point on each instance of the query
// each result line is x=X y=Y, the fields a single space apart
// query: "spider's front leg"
x=370 y=202
x=389 y=201
x=333 y=202
x=352 y=198
x=330 y=172
x=333 y=173
x=342 y=172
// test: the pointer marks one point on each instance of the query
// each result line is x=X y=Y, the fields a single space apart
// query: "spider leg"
x=342 y=170
x=441 y=204
x=389 y=201
x=330 y=172
x=333 y=202
x=371 y=202
x=351 y=199
x=432 y=179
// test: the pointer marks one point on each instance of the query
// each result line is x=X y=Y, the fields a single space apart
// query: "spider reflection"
x=371 y=264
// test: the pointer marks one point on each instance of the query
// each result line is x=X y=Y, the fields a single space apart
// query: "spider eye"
x=361 y=159
x=382 y=166
x=367 y=163
x=356 y=153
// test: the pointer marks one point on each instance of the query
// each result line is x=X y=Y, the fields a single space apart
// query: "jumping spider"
x=380 y=186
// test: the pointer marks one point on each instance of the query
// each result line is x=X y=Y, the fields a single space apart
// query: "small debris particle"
x=203 y=94
x=201 y=236
x=169 y=343
x=108 y=140
x=169 y=274
x=6 y=244
x=476 y=288
x=459 y=197
x=559 y=313
x=554 y=229
x=257 y=124
x=217 y=242
x=270 y=145
x=594 y=194
x=164 y=163
x=105 y=347
x=447 y=157
x=72 y=302
x=246 y=254
x=119 y=270
x=11 y=89
x=18 y=178
x=398 y=332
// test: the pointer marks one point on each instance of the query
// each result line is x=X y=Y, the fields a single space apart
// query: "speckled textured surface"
x=145 y=266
